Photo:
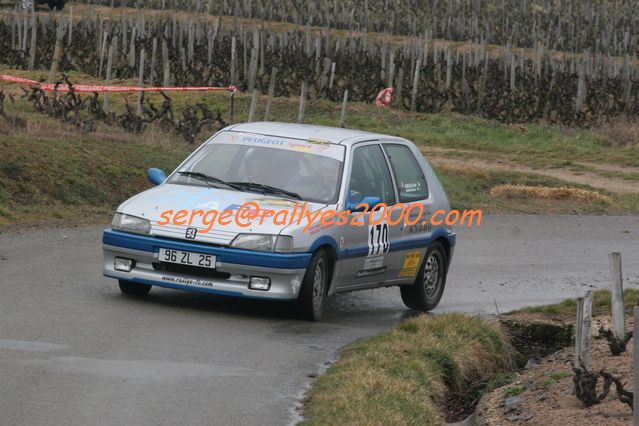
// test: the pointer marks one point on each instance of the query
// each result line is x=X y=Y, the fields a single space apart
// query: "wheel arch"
x=332 y=259
x=444 y=242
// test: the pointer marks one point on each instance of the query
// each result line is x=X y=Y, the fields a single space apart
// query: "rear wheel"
x=312 y=296
x=427 y=290
x=129 y=287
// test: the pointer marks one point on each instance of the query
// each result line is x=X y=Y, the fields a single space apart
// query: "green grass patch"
x=513 y=390
x=404 y=375
x=561 y=375
x=82 y=178
x=600 y=304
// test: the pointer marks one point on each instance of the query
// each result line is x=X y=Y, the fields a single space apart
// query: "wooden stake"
x=616 y=292
x=332 y=79
x=34 y=34
x=153 y=56
x=251 y=116
x=271 y=93
x=70 y=26
x=635 y=364
x=166 y=64
x=578 y=331
x=583 y=335
x=413 y=96
x=102 y=53
x=140 y=81
x=114 y=42
x=342 y=117
x=57 y=52
x=300 y=113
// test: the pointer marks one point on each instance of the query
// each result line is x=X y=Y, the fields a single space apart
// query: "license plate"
x=187 y=258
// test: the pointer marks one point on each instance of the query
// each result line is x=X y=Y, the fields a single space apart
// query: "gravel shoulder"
x=542 y=393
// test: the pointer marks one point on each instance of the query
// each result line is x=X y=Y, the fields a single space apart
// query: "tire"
x=427 y=290
x=55 y=4
x=129 y=287
x=312 y=297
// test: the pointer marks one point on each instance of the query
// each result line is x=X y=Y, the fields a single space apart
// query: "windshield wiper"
x=209 y=179
x=266 y=189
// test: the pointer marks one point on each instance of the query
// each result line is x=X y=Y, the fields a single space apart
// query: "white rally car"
x=295 y=170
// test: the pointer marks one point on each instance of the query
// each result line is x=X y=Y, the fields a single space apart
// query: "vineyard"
x=331 y=47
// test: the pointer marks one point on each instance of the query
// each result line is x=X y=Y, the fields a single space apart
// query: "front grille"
x=191 y=270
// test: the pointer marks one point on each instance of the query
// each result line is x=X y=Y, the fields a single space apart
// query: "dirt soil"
x=542 y=392
x=612 y=184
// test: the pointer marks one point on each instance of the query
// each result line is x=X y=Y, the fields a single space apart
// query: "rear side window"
x=370 y=176
x=411 y=182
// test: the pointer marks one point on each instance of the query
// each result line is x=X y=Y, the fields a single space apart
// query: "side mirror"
x=369 y=201
x=155 y=176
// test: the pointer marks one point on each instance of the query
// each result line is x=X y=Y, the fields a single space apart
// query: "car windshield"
x=310 y=171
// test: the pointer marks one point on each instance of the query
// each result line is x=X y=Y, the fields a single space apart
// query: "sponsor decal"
x=373 y=262
x=410 y=187
x=275 y=202
x=369 y=272
x=189 y=282
x=296 y=146
x=263 y=140
x=411 y=263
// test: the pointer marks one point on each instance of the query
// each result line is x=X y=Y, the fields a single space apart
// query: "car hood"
x=151 y=203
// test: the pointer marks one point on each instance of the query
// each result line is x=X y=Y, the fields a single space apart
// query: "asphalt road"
x=74 y=351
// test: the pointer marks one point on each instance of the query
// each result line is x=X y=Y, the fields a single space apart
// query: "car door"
x=366 y=235
x=410 y=235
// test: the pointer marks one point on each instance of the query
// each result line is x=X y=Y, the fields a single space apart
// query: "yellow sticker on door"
x=411 y=263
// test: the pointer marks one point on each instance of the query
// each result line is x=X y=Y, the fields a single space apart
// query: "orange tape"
x=80 y=88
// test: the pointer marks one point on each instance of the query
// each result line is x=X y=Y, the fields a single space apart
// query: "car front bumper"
x=233 y=267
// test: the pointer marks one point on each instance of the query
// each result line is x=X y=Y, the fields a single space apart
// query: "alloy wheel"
x=432 y=274
x=318 y=285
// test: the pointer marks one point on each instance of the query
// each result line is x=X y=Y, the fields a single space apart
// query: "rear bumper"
x=231 y=276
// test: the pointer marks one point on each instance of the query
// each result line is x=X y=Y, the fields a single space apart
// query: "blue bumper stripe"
x=406 y=244
x=223 y=254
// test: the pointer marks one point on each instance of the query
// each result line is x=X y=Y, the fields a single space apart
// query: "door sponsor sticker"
x=373 y=262
x=369 y=272
x=372 y=266
x=411 y=263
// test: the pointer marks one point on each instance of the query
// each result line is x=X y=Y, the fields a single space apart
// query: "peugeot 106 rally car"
x=165 y=236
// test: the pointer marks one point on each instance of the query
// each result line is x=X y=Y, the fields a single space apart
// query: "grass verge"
x=408 y=374
x=568 y=308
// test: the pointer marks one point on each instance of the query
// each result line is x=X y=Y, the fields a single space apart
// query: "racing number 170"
x=378 y=239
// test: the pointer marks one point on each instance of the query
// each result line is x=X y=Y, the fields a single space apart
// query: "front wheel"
x=427 y=290
x=312 y=296
x=129 y=287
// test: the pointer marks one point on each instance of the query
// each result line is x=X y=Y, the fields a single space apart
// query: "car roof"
x=307 y=131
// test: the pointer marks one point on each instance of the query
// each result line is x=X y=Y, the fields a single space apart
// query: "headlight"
x=128 y=223
x=263 y=242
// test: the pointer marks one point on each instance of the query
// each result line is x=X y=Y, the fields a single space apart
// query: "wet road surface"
x=74 y=351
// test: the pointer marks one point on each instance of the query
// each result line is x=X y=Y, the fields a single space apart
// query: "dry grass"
x=403 y=376
x=547 y=193
x=600 y=305
x=622 y=131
